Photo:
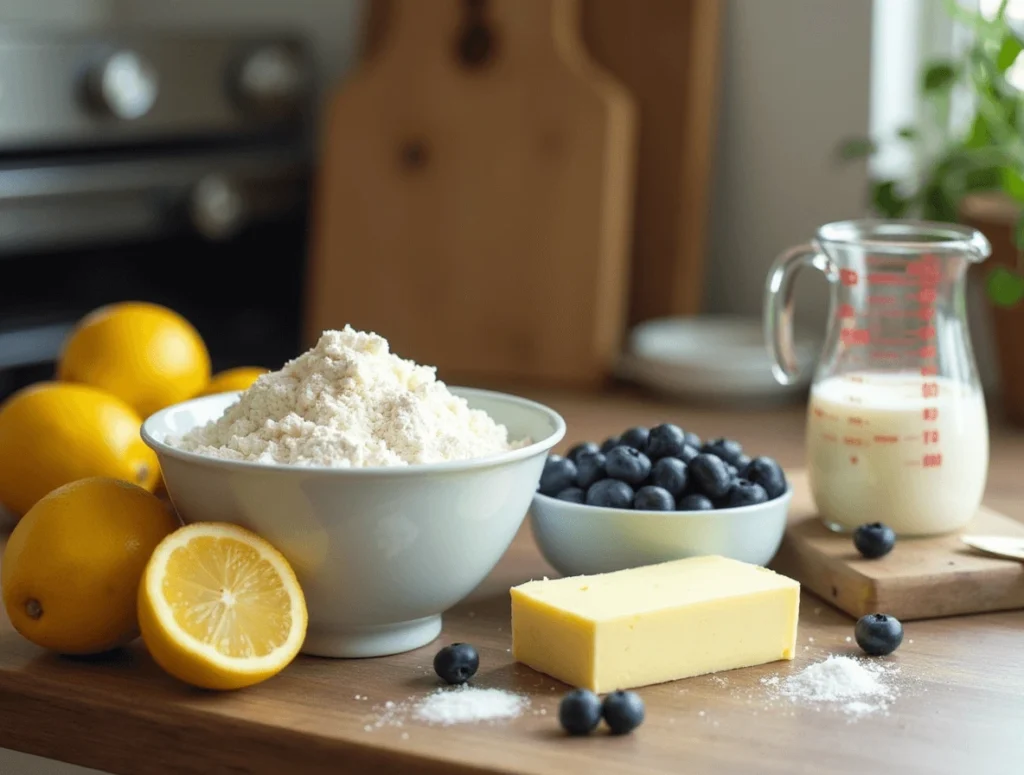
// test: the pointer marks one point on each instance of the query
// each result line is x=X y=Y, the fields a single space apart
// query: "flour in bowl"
x=349 y=403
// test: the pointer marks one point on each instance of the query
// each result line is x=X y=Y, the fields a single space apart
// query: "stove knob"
x=217 y=207
x=124 y=85
x=270 y=77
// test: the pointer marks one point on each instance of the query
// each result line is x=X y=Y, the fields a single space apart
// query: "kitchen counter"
x=960 y=706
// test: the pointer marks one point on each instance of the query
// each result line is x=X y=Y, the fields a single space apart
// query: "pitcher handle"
x=778 y=306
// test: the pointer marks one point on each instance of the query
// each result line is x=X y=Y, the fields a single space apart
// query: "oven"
x=164 y=167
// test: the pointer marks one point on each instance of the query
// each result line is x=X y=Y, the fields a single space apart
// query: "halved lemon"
x=220 y=608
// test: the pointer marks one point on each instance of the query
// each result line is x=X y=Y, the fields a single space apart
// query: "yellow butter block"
x=653 y=624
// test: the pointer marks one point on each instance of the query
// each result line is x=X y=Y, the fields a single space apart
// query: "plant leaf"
x=979 y=135
x=939 y=76
x=887 y=200
x=1013 y=183
x=1004 y=288
x=856 y=148
x=938 y=204
x=1009 y=50
x=907 y=133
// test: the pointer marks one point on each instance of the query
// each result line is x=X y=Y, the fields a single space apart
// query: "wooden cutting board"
x=921 y=578
x=475 y=197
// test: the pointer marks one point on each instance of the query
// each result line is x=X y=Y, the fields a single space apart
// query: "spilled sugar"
x=445 y=707
x=856 y=687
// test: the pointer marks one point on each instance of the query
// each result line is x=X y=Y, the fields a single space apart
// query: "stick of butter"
x=653 y=624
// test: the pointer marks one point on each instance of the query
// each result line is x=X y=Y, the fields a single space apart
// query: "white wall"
x=795 y=80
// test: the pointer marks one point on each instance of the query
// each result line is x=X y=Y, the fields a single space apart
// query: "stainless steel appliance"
x=164 y=166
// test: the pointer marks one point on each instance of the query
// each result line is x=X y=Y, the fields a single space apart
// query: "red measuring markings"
x=924 y=313
x=848 y=277
x=932 y=461
x=885 y=278
x=930 y=414
x=929 y=389
x=925 y=296
x=881 y=301
x=829 y=437
x=846 y=311
x=887 y=355
x=929 y=371
x=926 y=332
x=853 y=441
x=855 y=336
x=880 y=439
x=928 y=351
x=930 y=437
x=856 y=421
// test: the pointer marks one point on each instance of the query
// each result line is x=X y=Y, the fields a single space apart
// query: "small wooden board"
x=922 y=578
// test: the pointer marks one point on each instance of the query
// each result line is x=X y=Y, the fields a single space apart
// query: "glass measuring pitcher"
x=896 y=427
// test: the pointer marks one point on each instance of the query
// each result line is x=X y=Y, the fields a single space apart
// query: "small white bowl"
x=380 y=552
x=581 y=540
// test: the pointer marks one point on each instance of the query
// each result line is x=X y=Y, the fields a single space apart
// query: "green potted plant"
x=974 y=176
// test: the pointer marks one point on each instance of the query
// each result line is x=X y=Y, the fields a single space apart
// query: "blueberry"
x=744 y=493
x=572 y=495
x=456 y=663
x=665 y=441
x=688 y=453
x=627 y=464
x=670 y=474
x=709 y=475
x=559 y=473
x=623 y=712
x=610 y=493
x=742 y=462
x=636 y=438
x=733 y=470
x=581 y=449
x=727 y=449
x=579 y=713
x=590 y=469
x=652 y=498
x=694 y=502
x=693 y=440
x=878 y=634
x=874 y=540
x=767 y=473
x=610 y=443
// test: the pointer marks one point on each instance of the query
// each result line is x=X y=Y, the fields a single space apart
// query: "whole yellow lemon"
x=240 y=378
x=145 y=354
x=72 y=566
x=53 y=433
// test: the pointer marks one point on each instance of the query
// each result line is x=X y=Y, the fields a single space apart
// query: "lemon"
x=240 y=378
x=145 y=354
x=220 y=608
x=72 y=566
x=53 y=433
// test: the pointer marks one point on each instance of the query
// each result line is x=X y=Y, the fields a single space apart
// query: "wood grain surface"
x=922 y=578
x=960 y=707
x=492 y=197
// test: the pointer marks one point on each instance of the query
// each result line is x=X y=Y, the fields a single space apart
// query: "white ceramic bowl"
x=380 y=552
x=578 y=539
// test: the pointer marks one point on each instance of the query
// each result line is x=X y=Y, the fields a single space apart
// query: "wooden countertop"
x=960 y=709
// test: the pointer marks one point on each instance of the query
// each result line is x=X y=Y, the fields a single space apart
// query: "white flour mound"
x=349 y=403
x=858 y=687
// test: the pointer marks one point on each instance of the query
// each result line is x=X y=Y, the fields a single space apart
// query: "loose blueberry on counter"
x=688 y=453
x=610 y=443
x=874 y=540
x=572 y=495
x=665 y=440
x=728 y=450
x=456 y=663
x=623 y=712
x=636 y=438
x=590 y=469
x=744 y=493
x=694 y=502
x=559 y=473
x=767 y=473
x=579 y=713
x=627 y=464
x=693 y=440
x=670 y=474
x=611 y=494
x=878 y=634
x=651 y=498
x=586 y=447
x=710 y=475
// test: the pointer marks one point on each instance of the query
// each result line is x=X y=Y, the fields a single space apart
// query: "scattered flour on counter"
x=856 y=687
x=349 y=403
x=445 y=707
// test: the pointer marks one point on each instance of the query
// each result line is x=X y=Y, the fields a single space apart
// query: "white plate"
x=712 y=358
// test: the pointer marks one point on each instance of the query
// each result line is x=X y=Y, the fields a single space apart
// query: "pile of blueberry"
x=662 y=469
